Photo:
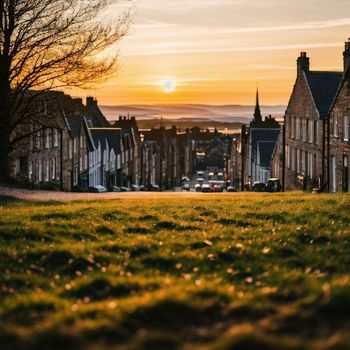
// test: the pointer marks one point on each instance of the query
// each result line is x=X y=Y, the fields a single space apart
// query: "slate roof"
x=74 y=124
x=260 y=135
x=112 y=135
x=263 y=135
x=266 y=149
x=324 y=87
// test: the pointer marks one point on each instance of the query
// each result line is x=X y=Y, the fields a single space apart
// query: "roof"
x=260 y=135
x=74 y=124
x=266 y=149
x=323 y=87
x=112 y=135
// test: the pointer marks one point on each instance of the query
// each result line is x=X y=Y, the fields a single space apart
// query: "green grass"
x=241 y=271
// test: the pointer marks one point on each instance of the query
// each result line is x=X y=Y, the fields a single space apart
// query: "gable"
x=323 y=87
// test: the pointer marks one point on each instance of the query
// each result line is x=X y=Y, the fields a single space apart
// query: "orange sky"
x=216 y=50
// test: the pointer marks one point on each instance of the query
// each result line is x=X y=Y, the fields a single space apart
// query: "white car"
x=98 y=189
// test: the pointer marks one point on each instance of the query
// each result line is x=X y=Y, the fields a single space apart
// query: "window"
x=316 y=131
x=335 y=126
x=30 y=170
x=70 y=149
x=311 y=165
x=302 y=157
x=75 y=145
x=53 y=168
x=46 y=170
x=346 y=128
x=58 y=168
x=297 y=129
x=298 y=161
x=310 y=129
x=40 y=170
x=345 y=174
x=47 y=138
x=303 y=129
x=333 y=174
x=38 y=140
x=288 y=156
x=55 y=137
x=293 y=159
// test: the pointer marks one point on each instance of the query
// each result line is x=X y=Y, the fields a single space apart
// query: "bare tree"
x=47 y=45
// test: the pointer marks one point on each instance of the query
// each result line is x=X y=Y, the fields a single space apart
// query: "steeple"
x=257 y=113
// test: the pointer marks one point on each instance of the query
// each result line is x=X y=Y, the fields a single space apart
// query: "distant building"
x=258 y=142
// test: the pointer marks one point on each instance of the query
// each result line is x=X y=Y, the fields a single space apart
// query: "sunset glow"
x=218 y=49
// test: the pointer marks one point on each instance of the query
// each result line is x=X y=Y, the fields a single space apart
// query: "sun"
x=168 y=86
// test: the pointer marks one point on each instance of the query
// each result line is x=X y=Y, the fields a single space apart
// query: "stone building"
x=305 y=126
x=338 y=136
x=131 y=154
x=55 y=154
x=258 y=142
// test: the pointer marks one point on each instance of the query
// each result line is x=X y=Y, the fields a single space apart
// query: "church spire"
x=257 y=113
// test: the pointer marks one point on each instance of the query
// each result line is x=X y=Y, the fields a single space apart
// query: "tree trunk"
x=4 y=155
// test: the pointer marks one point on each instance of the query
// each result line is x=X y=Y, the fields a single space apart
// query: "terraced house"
x=338 y=154
x=306 y=126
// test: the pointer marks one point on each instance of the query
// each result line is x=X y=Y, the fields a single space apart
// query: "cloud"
x=233 y=49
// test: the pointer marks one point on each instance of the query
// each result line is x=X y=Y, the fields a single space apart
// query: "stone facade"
x=305 y=126
x=339 y=138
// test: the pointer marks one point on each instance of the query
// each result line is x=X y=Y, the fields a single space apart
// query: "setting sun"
x=168 y=86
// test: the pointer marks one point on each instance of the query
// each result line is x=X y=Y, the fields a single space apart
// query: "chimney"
x=346 y=55
x=90 y=101
x=303 y=63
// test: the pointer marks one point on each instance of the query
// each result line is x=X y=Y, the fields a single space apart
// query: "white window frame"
x=311 y=131
x=55 y=137
x=335 y=126
x=333 y=174
x=346 y=128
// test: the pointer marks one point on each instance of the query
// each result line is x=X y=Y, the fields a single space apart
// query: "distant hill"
x=225 y=113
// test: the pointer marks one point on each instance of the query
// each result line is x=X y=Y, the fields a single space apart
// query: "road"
x=45 y=196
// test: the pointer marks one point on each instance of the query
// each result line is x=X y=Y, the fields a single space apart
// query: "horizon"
x=180 y=53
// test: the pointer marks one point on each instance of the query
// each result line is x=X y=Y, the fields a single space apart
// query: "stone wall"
x=339 y=146
x=300 y=150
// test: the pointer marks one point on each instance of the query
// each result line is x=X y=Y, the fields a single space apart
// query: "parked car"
x=142 y=188
x=273 y=185
x=135 y=188
x=115 y=189
x=218 y=188
x=206 y=188
x=231 y=189
x=259 y=186
x=186 y=187
x=125 y=189
x=198 y=187
x=154 y=188
x=185 y=179
x=97 y=189
x=200 y=173
x=200 y=180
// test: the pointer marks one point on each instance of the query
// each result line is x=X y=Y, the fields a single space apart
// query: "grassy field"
x=252 y=271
